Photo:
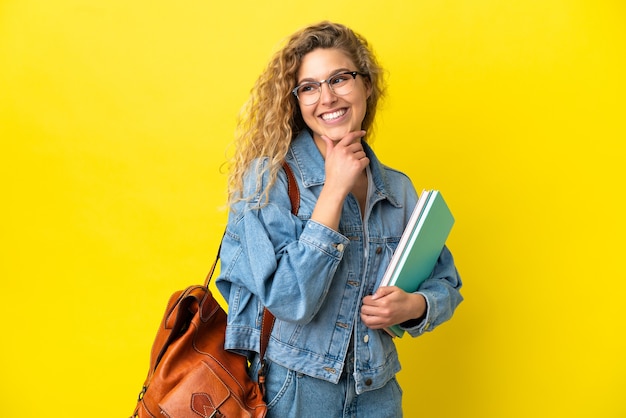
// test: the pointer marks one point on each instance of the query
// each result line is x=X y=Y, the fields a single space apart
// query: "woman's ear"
x=368 y=86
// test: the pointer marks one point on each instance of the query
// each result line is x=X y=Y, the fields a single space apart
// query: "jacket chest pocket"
x=380 y=256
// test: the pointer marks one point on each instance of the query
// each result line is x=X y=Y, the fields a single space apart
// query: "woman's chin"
x=336 y=134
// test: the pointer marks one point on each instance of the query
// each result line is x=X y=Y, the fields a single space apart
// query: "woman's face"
x=332 y=115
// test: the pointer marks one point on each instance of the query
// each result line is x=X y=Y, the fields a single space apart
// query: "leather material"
x=190 y=374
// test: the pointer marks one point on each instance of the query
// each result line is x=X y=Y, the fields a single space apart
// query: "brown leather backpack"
x=191 y=375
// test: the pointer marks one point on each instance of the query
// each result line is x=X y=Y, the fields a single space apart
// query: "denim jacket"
x=313 y=278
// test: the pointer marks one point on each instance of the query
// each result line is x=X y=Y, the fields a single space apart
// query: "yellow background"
x=115 y=117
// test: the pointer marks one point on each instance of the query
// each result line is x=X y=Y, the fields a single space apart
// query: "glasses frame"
x=327 y=81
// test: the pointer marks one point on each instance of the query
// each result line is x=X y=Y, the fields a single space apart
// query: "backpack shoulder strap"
x=292 y=189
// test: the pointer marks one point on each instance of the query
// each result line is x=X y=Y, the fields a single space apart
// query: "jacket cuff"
x=418 y=326
x=324 y=238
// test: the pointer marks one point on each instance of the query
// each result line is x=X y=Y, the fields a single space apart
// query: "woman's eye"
x=338 y=79
x=307 y=88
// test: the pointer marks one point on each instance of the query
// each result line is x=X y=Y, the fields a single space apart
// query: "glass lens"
x=308 y=93
x=341 y=84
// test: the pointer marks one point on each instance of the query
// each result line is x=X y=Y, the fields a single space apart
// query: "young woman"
x=317 y=272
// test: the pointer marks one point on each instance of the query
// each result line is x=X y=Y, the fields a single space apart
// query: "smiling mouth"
x=330 y=116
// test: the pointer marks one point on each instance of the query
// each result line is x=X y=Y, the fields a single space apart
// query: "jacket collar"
x=310 y=164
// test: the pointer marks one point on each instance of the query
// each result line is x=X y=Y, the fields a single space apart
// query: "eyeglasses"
x=309 y=93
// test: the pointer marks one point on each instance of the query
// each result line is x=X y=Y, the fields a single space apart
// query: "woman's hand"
x=390 y=305
x=345 y=162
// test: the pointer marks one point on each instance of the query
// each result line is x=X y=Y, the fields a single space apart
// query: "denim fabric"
x=313 y=278
x=294 y=394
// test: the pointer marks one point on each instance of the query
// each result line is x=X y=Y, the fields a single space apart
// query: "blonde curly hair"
x=271 y=117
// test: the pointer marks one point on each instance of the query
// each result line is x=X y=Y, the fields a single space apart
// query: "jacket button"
x=368 y=382
x=339 y=247
x=379 y=250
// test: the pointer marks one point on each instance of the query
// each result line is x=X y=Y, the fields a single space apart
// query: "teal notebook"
x=419 y=247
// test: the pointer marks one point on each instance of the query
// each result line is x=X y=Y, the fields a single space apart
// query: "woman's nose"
x=326 y=94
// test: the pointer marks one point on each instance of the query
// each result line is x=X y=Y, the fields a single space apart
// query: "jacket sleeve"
x=442 y=293
x=287 y=263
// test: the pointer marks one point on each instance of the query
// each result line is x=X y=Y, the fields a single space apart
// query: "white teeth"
x=333 y=115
